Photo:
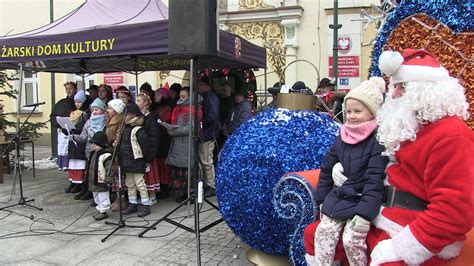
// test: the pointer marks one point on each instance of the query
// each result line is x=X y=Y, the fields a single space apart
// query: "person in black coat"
x=227 y=102
x=352 y=205
x=241 y=112
x=210 y=133
x=330 y=98
x=63 y=108
x=132 y=153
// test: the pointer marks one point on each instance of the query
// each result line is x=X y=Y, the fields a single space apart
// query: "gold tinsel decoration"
x=453 y=50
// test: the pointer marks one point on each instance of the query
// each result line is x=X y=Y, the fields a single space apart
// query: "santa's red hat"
x=411 y=65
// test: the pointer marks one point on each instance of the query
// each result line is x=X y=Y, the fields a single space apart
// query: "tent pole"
x=136 y=85
x=190 y=132
x=136 y=78
x=53 y=131
x=197 y=126
x=20 y=92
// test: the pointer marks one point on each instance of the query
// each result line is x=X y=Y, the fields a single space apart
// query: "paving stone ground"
x=64 y=233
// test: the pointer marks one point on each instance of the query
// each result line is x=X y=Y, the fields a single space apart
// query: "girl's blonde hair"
x=145 y=97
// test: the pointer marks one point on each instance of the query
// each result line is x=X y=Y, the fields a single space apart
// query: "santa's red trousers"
x=374 y=236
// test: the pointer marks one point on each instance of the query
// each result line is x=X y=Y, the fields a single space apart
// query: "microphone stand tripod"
x=121 y=222
x=16 y=139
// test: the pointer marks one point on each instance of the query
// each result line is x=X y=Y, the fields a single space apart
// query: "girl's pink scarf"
x=353 y=134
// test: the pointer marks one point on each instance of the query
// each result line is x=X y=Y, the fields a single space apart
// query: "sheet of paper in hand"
x=166 y=125
x=65 y=122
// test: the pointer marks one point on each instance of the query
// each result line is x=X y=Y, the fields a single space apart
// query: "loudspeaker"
x=192 y=29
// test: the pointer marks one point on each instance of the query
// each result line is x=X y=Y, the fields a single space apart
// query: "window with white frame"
x=29 y=94
x=88 y=80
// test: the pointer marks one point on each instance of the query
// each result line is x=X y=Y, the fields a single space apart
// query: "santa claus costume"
x=428 y=206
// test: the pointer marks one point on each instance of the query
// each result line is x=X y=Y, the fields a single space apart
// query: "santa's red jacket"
x=437 y=167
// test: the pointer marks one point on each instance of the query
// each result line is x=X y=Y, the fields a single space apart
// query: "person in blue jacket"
x=351 y=206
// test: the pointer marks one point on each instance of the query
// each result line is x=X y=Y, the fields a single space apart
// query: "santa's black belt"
x=402 y=199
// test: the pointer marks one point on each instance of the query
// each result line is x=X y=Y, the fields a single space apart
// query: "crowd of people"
x=152 y=159
x=377 y=203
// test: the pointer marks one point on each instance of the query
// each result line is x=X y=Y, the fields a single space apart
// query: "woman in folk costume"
x=163 y=112
x=95 y=124
x=115 y=108
x=76 y=151
x=133 y=151
x=179 y=150
x=63 y=108
x=98 y=174
x=154 y=134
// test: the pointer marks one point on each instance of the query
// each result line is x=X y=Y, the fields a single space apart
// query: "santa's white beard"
x=400 y=119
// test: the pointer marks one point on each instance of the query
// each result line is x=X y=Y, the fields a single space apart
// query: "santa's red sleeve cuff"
x=409 y=249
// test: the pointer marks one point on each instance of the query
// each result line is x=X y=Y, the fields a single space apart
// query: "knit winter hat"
x=164 y=92
x=98 y=103
x=369 y=92
x=80 y=96
x=133 y=109
x=100 y=139
x=411 y=65
x=117 y=105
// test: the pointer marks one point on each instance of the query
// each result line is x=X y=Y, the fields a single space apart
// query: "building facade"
x=295 y=33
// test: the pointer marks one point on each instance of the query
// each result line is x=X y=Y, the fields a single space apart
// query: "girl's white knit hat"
x=117 y=105
x=370 y=93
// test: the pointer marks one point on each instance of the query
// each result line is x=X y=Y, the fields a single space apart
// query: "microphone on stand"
x=34 y=104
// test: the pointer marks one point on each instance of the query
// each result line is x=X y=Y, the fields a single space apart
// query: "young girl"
x=163 y=112
x=132 y=158
x=154 y=134
x=115 y=109
x=179 y=150
x=98 y=173
x=95 y=124
x=356 y=202
x=124 y=94
x=76 y=151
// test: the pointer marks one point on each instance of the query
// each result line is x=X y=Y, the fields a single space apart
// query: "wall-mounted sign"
x=346 y=72
x=344 y=44
x=345 y=60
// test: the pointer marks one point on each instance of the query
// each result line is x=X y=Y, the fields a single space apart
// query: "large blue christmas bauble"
x=254 y=158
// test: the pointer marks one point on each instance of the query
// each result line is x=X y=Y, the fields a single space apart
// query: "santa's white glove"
x=359 y=224
x=384 y=252
x=337 y=175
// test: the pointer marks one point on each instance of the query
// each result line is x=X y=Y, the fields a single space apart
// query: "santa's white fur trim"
x=419 y=73
x=451 y=251
x=310 y=260
x=389 y=226
x=392 y=229
x=409 y=249
x=390 y=62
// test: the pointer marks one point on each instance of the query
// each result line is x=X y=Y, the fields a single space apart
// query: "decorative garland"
x=244 y=80
x=444 y=28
